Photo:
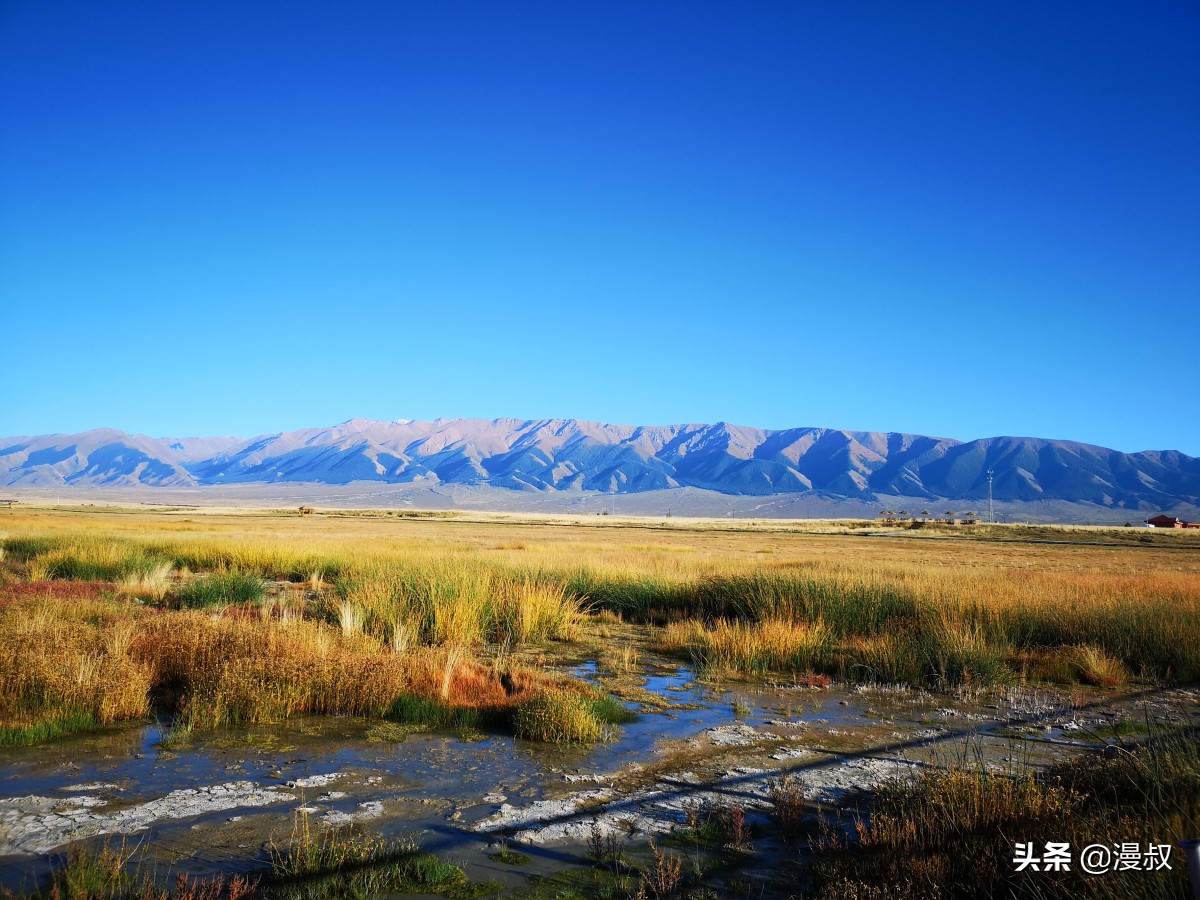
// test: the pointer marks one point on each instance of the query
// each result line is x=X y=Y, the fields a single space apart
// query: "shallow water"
x=250 y=782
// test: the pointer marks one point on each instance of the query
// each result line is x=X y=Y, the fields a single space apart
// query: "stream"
x=215 y=802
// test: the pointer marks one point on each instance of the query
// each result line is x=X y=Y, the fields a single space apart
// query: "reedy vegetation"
x=365 y=623
x=98 y=656
x=313 y=864
x=952 y=832
x=319 y=863
x=77 y=663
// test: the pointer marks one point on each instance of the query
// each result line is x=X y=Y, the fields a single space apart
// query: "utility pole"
x=991 y=512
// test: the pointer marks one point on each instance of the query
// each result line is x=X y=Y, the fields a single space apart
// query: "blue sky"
x=950 y=219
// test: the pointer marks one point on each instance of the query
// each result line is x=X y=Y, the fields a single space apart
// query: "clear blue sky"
x=956 y=219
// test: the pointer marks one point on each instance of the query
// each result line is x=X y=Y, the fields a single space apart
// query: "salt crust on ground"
x=664 y=806
x=36 y=825
x=40 y=824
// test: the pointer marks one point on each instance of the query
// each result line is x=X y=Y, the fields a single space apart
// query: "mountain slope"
x=104 y=456
x=569 y=455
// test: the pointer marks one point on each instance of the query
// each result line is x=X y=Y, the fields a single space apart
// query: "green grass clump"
x=327 y=866
x=90 y=560
x=610 y=711
x=511 y=857
x=409 y=709
x=558 y=717
x=773 y=645
x=23 y=548
x=456 y=602
x=845 y=605
x=222 y=589
x=964 y=652
x=348 y=864
x=105 y=873
x=64 y=724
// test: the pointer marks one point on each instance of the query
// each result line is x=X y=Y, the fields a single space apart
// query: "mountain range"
x=551 y=455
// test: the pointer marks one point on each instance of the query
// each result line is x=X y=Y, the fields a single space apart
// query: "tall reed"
x=918 y=611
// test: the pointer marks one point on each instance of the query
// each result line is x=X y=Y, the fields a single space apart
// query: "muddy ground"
x=215 y=803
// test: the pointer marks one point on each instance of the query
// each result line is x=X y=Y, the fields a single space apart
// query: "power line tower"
x=991 y=512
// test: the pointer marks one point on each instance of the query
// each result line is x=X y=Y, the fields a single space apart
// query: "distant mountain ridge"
x=567 y=454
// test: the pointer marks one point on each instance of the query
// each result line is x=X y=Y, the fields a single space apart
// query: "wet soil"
x=215 y=802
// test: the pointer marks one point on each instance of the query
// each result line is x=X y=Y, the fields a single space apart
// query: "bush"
x=222 y=589
x=559 y=717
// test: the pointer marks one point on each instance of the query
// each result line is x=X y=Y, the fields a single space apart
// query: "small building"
x=1165 y=521
x=306 y=510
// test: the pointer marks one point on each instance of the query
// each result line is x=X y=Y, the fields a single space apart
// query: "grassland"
x=218 y=619
x=225 y=619
x=228 y=619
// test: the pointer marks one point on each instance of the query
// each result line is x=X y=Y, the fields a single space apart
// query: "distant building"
x=1164 y=521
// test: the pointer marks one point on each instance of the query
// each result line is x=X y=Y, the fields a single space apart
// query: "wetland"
x=191 y=702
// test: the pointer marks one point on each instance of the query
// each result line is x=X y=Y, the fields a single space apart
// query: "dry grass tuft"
x=350 y=618
x=1097 y=667
x=150 y=584
x=787 y=801
x=80 y=663
x=401 y=637
x=774 y=645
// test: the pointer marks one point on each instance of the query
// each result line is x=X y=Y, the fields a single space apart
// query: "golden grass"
x=272 y=540
x=559 y=716
x=357 y=607
x=350 y=618
x=731 y=647
x=90 y=662
x=61 y=668
x=151 y=583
